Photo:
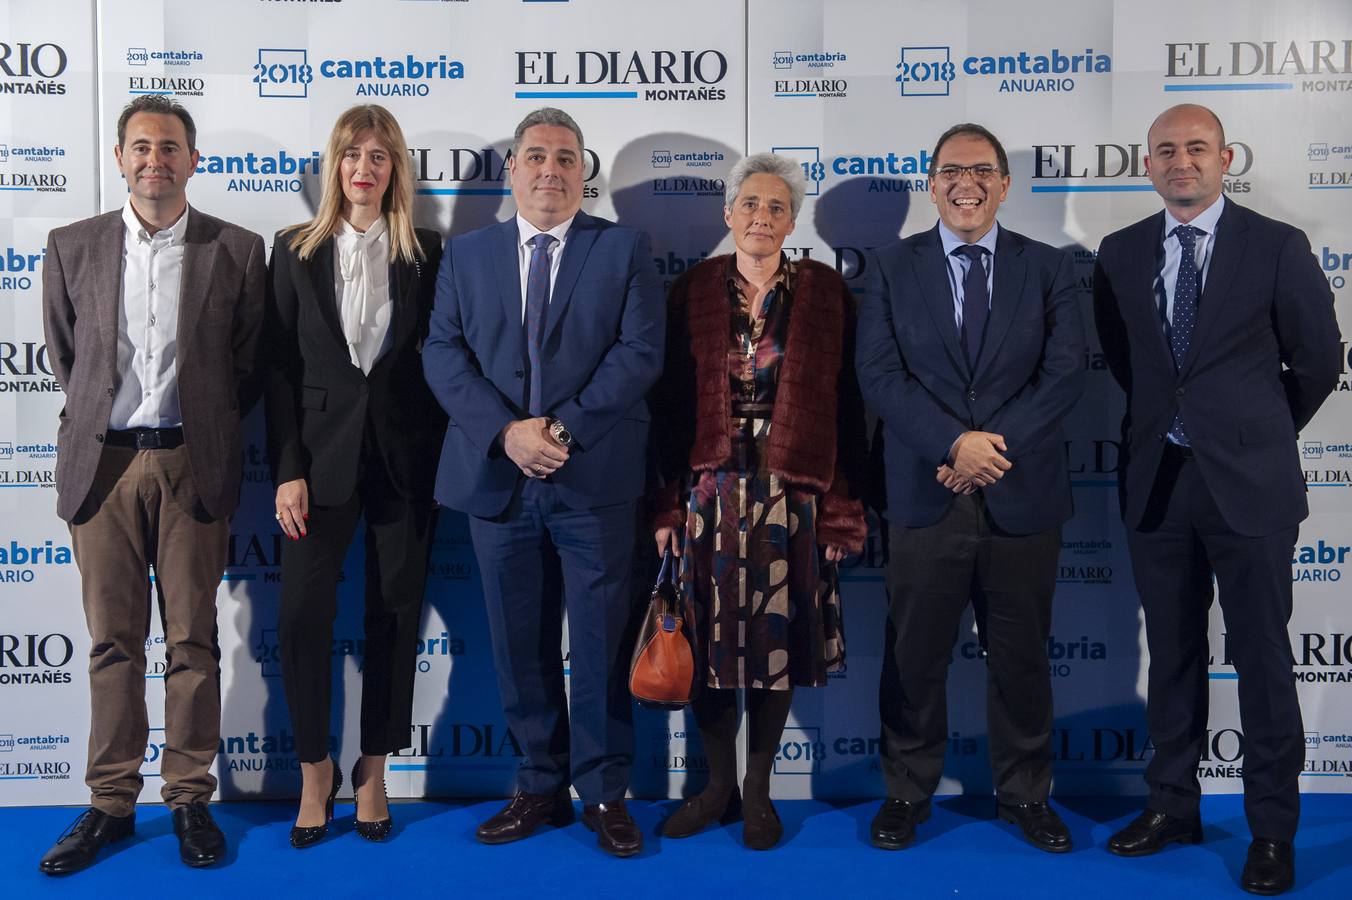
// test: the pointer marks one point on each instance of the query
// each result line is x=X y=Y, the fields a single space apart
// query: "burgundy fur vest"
x=817 y=437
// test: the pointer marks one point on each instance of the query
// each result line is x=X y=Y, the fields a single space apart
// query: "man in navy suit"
x=971 y=352
x=547 y=333
x=1219 y=326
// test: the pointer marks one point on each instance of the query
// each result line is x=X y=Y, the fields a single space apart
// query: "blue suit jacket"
x=1265 y=353
x=1029 y=375
x=604 y=334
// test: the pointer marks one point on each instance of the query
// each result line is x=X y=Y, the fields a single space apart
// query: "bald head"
x=1187 y=158
x=1186 y=112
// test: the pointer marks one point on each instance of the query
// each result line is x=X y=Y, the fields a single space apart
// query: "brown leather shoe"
x=524 y=813
x=616 y=832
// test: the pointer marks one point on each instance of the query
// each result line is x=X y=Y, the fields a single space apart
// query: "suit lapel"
x=107 y=262
x=319 y=268
x=1230 y=241
x=931 y=271
x=1144 y=255
x=581 y=237
x=1010 y=271
x=199 y=258
x=507 y=264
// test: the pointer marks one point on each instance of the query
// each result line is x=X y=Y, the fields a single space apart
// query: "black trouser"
x=1182 y=540
x=398 y=540
x=933 y=573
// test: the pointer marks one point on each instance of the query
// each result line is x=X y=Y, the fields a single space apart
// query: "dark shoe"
x=1151 y=830
x=79 y=845
x=200 y=841
x=616 y=832
x=372 y=831
x=1040 y=825
x=1270 y=867
x=894 y=826
x=304 y=836
x=761 y=828
x=701 y=810
x=524 y=813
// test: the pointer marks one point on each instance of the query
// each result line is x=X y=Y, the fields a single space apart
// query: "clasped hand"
x=528 y=443
x=976 y=460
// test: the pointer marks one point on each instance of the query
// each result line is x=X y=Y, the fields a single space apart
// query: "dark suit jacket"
x=1030 y=373
x=604 y=333
x=319 y=405
x=219 y=320
x=1265 y=353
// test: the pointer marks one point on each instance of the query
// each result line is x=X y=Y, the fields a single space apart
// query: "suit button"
x=110 y=392
x=1178 y=392
x=99 y=438
x=1159 y=437
x=971 y=395
x=520 y=373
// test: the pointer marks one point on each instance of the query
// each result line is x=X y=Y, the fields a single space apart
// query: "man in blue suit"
x=971 y=352
x=547 y=333
x=1219 y=325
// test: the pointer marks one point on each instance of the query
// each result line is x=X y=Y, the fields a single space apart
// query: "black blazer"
x=1265 y=353
x=1028 y=377
x=320 y=407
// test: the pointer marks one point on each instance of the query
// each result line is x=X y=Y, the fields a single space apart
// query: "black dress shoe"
x=894 y=825
x=524 y=813
x=303 y=836
x=701 y=810
x=1040 y=824
x=79 y=845
x=616 y=832
x=1151 y=830
x=379 y=829
x=761 y=828
x=200 y=841
x=1270 y=867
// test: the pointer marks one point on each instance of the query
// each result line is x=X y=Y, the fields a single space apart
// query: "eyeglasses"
x=952 y=174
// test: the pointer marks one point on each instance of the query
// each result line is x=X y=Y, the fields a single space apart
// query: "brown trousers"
x=142 y=512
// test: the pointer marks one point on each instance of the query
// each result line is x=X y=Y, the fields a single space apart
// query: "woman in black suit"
x=353 y=430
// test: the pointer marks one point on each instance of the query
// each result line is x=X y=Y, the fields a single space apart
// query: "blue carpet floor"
x=962 y=852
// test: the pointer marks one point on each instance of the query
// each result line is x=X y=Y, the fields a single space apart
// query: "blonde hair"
x=397 y=204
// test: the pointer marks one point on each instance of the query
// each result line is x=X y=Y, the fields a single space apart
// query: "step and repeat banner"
x=669 y=99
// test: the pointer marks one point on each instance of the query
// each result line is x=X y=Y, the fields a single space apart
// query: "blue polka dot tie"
x=537 y=301
x=975 y=301
x=1185 y=312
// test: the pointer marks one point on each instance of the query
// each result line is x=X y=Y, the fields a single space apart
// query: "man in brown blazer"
x=152 y=315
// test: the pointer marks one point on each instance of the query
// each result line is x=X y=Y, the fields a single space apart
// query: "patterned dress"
x=766 y=616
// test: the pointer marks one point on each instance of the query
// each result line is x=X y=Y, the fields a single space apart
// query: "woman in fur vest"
x=758 y=429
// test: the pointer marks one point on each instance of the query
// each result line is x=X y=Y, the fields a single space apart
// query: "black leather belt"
x=146 y=438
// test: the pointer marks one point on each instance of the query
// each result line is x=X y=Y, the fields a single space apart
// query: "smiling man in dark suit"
x=970 y=351
x=547 y=333
x=152 y=316
x=1219 y=326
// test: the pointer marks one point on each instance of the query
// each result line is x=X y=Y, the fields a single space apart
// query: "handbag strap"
x=666 y=572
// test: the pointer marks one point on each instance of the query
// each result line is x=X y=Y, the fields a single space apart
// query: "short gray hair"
x=546 y=115
x=783 y=168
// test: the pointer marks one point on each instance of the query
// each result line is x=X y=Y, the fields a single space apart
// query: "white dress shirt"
x=526 y=232
x=1205 y=222
x=147 y=325
x=361 y=271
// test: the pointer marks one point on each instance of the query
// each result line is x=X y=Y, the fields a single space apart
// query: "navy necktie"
x=1185 y=312
x=975 y=301
x=537 y=301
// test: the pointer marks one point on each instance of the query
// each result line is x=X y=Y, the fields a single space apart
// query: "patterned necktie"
x=975 y=301
x=537 y=301
x=1185 y=312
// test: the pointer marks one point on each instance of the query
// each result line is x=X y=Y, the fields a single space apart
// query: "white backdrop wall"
x=669 y=98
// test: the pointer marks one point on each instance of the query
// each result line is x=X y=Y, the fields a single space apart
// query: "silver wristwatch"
x=561 y=434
